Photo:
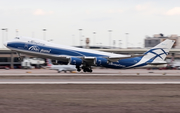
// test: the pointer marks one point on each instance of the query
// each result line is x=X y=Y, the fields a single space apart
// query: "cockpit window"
x=17 y=38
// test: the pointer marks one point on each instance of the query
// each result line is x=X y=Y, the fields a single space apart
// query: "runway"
x=91 y=74
x=89 y=81
x=99 y=76
x=87 y=74
x=103 y=90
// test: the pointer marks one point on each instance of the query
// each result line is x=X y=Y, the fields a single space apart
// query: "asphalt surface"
x=103 y=91
x=99 y=76
x=95 y=71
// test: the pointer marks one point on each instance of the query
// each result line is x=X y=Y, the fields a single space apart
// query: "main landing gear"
x=85 y=68
x=78 y=68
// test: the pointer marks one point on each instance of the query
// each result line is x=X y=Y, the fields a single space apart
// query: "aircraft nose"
x=5 y=44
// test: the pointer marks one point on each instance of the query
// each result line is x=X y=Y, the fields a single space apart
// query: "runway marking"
x=90 y=83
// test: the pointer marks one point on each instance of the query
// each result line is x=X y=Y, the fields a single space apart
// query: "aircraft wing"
x=90 y=60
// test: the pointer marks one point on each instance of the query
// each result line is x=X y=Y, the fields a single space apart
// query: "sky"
x=130 y=21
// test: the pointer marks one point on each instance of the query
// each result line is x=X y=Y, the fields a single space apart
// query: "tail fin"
x=159 y=52
x=49 y=63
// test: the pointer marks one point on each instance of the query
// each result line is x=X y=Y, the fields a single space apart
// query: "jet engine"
x=75 y=61
x=101 y=61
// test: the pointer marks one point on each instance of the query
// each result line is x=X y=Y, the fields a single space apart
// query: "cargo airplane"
x=84 y=59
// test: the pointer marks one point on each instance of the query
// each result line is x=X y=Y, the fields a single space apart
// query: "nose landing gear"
x=20 y=58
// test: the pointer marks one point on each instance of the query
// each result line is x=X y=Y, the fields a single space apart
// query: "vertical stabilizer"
x=160 y=51
x=49 y=63
x=156 y=55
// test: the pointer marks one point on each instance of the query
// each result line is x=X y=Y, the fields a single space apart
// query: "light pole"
x=81 y=43
x=127 y=39
x=44 y=33
x=80 y=35
x=97 y=44
x=16 y=32
x=110 y=38
x=114 y=43
x=94 y=38
x=3 y=35
x=73 y=40
x=83 y=39
x=100 y=45
x=6 y=34
x=119 y=43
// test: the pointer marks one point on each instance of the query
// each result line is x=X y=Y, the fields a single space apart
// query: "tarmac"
x=103 y=71
x=103 y=91
x=99 y=76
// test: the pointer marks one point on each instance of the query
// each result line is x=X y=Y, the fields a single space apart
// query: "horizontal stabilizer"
x=157 y=63
x=115 y=59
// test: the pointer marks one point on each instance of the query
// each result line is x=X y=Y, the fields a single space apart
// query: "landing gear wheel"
x=78 y=69
x=90 y=70
x=84 y=70
x=87 y=69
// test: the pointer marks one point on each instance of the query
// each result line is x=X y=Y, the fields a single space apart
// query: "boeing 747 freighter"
x=84 y=59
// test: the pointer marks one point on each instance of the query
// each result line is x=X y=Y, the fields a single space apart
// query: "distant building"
x=151 y=42
x=157 y=38
x=177 y=40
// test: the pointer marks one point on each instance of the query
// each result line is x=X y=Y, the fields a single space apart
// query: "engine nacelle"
x=101 y=61
x=75 y=61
